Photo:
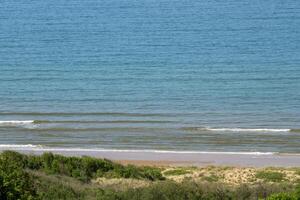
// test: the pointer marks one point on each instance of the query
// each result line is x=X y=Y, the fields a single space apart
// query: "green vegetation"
x=15 y=183
x=271 y=176
x=55 y=177
x=190 y=190
x=211 y=178
x=19 y=180
x=282 y=196
x=286 y=196
x=84 y=168
x=176 y=172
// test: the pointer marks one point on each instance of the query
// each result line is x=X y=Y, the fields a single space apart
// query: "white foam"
x=246 y=129
x=18 y=123
x=30 y=147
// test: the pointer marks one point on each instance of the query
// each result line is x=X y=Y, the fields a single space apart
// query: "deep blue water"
x=151 y=74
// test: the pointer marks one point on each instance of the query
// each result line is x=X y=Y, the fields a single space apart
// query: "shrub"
x=165 y=191
x=56 y=177
x=297 y=192
x=83 y=168
x=282 y=196
x=243 y=192
x=34 y=162
x=176 y=172
x=13 y=159
x=211 y=178
x=57 y=191
x=270 y=176
x=15 y=183
x=152 y=174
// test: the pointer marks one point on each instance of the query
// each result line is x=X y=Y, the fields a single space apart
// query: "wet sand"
x=180 y=159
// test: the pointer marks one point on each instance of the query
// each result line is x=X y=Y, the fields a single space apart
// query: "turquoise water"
x=165 y=75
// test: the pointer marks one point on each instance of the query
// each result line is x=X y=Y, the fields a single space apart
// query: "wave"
x=87 y=114
x=16 y=123
x=34 y=125
x=248 y=129
x=3 y=146
x=102 y=122
x=32 y=147
x=240 y=129
x=99 y=129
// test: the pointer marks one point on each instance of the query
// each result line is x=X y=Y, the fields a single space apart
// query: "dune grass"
x=270 y=176
x=55 y=177
x=82 y=168
x=176 y=172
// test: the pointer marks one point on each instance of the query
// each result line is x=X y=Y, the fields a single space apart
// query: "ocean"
x=151 y=75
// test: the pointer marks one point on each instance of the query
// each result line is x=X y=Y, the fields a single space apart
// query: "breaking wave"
x=16 y=123
x=239 y=129
x=248 y=129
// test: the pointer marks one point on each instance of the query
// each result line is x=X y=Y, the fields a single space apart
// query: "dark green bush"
x=211 y=178
x=168 y=190
x=57 y=177
x=57 y=191
x=297 y=192
x=83 y=168
x=13 y=159
x=15 y=183
x=282 y=196
x=152 y=174
x=160 y=191
x=270 y=176
x=176 y=172
x=243 y=192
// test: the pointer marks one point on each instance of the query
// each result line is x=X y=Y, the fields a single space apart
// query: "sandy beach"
x=163 y=158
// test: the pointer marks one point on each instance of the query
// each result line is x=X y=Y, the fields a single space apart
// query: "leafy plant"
x=83 y=168
x=15 y=183
x=176 y=172
x=282 y=196
x=211 y=178
x=270 y=176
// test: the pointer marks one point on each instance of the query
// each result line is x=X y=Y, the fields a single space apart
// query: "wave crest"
x=240 y=129
x=248 y=129
x=16 y=123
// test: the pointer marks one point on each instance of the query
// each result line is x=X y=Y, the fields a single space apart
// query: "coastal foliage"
x=286 y=196
x=15 y=183
x=82 y=168
x=270 y=176
x=176 y=172
x=55 y=177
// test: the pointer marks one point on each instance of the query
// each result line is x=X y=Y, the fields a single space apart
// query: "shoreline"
x=169 y=158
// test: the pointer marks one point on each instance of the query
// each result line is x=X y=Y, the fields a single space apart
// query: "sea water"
x=161 y=75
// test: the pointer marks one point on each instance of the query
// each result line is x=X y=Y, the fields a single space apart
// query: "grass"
x=176 y=172
x=54 y=177
x=211 y=178
x=82 y=168
x=270 y=176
